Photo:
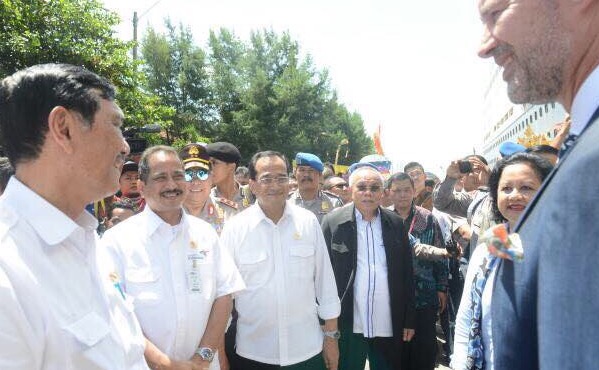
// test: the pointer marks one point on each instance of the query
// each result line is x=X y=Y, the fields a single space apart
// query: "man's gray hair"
x=144 y=162
x=358 y=172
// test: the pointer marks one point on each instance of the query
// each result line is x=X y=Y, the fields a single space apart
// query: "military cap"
x=509 y=148
x=129 y=166
x=309 y=159
x=195 y=155
x=225 y=152
x=355 y=166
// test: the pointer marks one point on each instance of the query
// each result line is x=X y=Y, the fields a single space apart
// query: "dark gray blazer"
x=545 y=310
x=339 y=228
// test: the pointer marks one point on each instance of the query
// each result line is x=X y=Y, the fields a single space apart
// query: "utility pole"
x=136 y=19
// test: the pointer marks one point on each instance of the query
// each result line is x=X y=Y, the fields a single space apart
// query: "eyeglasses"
x=200 y=174
x=271 y=180
x=340 y=186
x=372 y=188
x=415 y=174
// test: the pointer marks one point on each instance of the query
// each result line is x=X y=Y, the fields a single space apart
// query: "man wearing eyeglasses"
x=372 y=262
x=339 y=187
x=308 y=172
x=423 y=197
x=172 y=266
x=281 y=254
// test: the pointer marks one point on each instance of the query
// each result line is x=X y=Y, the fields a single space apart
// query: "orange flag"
x=376 y=139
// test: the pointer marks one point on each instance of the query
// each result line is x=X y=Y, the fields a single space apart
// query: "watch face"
x=206 y=354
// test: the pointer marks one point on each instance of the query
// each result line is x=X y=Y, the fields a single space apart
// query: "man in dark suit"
x=372 y=261
x=544 y=309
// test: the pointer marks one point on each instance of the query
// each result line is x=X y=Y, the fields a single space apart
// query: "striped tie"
x=567 y=145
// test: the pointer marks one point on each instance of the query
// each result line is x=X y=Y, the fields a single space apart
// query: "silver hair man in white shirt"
x=174 y=269
x=281 y=254
x=61 y=131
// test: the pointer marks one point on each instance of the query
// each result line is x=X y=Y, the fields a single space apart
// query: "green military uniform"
x=324 y=202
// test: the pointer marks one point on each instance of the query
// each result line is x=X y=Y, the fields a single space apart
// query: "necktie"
x=476 y=358
x=567 y=145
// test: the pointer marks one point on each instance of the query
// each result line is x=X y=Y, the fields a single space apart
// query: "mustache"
x=171 y=192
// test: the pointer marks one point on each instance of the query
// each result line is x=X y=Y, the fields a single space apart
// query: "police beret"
x=225 y=152
x=355 y=166
x=309 y=159
x=195 y=155
x=509 y=148
x=129 y=166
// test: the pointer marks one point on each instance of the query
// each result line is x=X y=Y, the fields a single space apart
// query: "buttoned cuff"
x=329 y=311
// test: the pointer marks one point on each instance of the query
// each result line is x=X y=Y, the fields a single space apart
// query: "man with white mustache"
x=174 y=269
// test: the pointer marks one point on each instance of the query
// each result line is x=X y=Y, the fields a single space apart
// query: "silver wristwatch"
x=335 y=334
x=207 y=354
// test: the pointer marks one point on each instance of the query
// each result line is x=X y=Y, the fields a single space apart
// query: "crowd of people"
x=190 y=260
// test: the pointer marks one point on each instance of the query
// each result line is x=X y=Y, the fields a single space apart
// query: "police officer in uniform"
x=198 y=201
x=224 y=159
x=308 y=172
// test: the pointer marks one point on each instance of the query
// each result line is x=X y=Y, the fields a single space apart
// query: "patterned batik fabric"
x=476 y=359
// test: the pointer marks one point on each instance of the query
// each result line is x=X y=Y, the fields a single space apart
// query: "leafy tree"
x=176 y=71
x=77 y=32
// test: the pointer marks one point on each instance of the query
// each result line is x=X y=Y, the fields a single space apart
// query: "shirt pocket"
x=87 y=333
x=301 y=261
x=144 y=285
x=253 y=268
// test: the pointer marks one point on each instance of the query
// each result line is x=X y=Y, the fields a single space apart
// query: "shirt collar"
x=37 y=212
x=153 y=221
x=259 y=215
x=359 y=217
x=585 y=102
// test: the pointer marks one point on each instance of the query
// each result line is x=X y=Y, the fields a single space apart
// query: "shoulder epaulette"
x=227 y=202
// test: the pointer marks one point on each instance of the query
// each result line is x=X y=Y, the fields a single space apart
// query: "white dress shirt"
x=372 y=303
x=462 y=322
x=585 y=102
x=173 y=274
x=58 y=309
x=290 y=283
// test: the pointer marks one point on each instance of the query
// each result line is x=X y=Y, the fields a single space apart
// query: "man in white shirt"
x=61 y=131
x=372 y=261
x=280 y=252
x=174 y=269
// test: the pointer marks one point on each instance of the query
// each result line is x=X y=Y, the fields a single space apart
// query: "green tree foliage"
x=267 y=97
x=78 y=32
x=176 y=71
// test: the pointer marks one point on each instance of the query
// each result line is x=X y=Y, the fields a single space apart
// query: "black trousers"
x=420 y=352
x=314 y=363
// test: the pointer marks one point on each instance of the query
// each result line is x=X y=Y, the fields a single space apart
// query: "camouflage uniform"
x=324 y=202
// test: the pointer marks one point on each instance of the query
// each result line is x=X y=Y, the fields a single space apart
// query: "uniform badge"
x=297 y=235
x=193 y=244
x=210 y=210
x=116 y=282
x=325 y=206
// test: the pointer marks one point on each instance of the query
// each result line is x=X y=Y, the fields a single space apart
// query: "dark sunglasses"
x=372 y=189
x=200 y=174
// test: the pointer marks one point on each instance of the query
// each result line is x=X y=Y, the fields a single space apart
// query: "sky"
x=409 y=66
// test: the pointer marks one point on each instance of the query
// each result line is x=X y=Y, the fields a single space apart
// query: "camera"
x=452 y=248
x=465 y=166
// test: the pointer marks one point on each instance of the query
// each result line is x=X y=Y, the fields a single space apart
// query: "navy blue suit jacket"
x=545 y=310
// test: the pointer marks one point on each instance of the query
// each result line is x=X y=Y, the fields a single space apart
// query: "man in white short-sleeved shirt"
x=58 y=310
x=280 y=251
x=173 y=268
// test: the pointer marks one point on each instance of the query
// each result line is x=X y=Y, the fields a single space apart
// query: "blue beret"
x=355 y=166
x=309 y=159
x=509 y=148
